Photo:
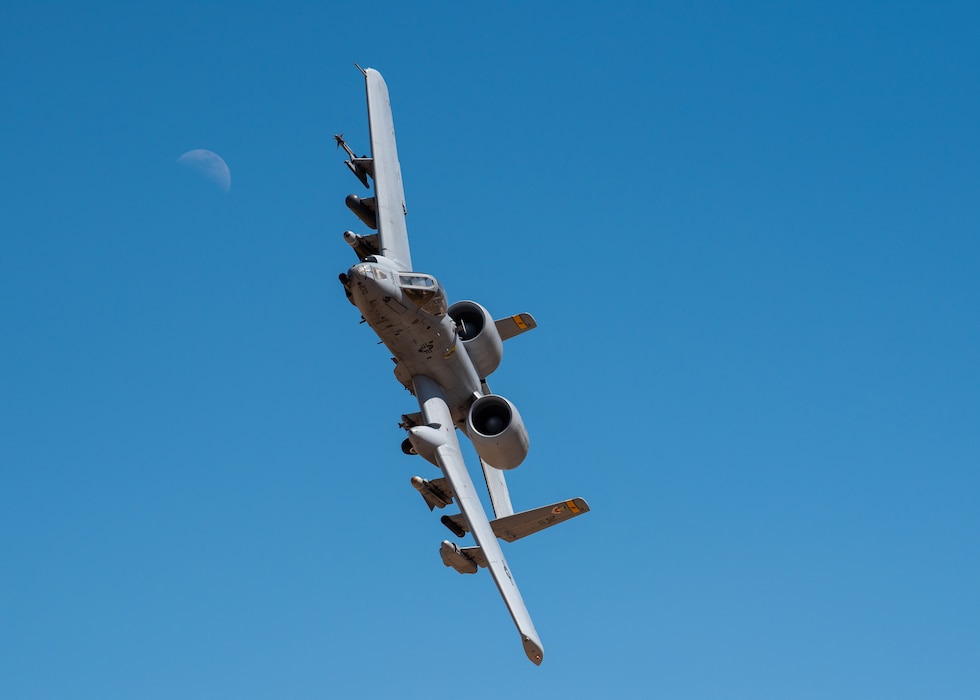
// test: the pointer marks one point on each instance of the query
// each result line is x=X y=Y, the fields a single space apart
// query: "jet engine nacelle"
x=479 y=335
x=497 y=432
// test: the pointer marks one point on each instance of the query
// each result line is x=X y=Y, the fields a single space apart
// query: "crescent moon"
x=209 y=164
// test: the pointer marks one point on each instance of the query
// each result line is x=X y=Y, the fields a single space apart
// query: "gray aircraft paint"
x=408 y=311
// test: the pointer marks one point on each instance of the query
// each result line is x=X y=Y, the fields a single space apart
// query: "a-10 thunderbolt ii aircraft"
x=443 y=355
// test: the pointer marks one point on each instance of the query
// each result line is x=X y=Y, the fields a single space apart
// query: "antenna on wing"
x=363 y=72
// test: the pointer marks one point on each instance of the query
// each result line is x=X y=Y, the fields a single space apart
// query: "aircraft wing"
x=389 y=195
x=449 y=458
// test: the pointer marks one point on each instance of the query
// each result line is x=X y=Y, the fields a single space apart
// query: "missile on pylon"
x=361 y=167
x=436 y=493
x=362 y=245
x=453 y=556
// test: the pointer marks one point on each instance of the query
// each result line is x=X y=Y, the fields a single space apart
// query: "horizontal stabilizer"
x=514 y=527
x=515 y=325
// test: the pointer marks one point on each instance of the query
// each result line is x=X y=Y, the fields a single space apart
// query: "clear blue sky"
x=750 y=237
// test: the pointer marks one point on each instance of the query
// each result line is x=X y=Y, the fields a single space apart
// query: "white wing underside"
x=436 y=413
x=389 y=204
x=389 y=194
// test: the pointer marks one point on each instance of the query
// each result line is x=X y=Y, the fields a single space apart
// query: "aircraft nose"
x=360 y=272
x=369 y=276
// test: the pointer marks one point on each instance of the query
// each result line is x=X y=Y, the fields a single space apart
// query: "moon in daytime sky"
x=209 y=164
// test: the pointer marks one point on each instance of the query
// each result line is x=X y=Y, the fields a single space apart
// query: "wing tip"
x=533 y=650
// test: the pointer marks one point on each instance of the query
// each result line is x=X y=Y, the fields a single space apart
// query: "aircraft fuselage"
x=407 y=310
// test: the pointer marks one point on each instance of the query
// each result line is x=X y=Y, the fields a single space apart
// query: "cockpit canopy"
x=424 y=291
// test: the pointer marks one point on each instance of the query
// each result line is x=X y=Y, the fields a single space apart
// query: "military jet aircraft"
x=443 y=354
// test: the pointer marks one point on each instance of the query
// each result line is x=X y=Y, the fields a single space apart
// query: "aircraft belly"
x=423 y=345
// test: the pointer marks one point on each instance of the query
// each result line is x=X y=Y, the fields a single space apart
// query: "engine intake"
x=479 y=335
x=497 y=432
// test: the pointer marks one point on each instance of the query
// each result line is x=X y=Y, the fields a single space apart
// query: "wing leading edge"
x=449 y=458
x=389 y=194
